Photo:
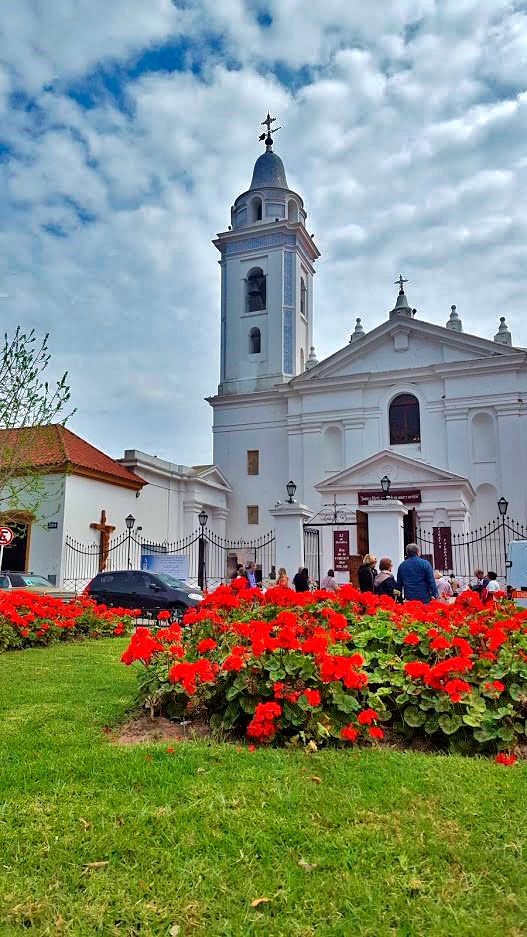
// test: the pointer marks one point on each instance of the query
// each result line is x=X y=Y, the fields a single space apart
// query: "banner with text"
x=406 y=495
x=442 y=537
x=341 y=550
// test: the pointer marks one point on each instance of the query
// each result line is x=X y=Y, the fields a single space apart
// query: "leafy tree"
x=28 y=404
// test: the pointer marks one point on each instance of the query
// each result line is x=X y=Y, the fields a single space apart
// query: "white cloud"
x=407 y=143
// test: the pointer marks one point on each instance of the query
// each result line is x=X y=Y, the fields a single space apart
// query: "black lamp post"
x=503 y=507
x=129 y=521
x=202 y=518
x=385 y=485
x=291 y=488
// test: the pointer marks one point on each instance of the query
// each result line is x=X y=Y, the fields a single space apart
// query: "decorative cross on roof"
x=267 y=123
x=400 y=281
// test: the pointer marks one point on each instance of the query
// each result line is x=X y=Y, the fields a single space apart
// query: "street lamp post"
x=129 y=521
x=290 y=488
x=385 y=485
x=503 y=507
x=202 y=518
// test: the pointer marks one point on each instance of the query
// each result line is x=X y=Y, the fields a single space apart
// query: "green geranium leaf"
x=413 y=716
x=473 y=719
x=484 y=735
x=506 y=733
x=432 y=724
x=449 y=723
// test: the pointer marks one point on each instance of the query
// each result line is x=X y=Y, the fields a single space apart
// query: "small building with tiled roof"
x=84 y=490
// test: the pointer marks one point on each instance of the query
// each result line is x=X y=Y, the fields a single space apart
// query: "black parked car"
x=151 y=592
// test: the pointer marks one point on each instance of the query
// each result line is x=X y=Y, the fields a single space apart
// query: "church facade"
x=441 y=413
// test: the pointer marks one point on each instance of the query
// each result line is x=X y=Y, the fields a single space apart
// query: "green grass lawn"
x=401 y=844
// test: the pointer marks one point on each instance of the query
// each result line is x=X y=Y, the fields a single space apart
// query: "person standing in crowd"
x=366 y=573
x=272 y=572
x=454 y=584
x=239 y=571
x=301 y=580
x=481 y=581
x=443 y=587
x=415 y=577
x=283 y=579
x=329 y=583
x=250 y=575
x=384 y=583
x=492 y=586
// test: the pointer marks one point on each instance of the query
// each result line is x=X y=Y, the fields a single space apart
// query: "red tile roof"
x=54 y=447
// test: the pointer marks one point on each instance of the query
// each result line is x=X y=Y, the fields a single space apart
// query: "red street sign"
x=341 y=550
x=6 y=536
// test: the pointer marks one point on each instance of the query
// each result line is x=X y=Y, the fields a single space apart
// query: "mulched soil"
x=144 y=729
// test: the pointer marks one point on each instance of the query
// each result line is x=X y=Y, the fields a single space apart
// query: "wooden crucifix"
x=105 y=531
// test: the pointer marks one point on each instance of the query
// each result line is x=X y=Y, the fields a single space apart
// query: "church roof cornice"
x=492 y=355
x=271 y=235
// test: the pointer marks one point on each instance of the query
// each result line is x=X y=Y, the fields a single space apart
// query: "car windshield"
x=172 y=582
x=35 y=581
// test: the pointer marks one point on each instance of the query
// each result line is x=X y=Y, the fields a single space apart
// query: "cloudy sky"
x=128 y=127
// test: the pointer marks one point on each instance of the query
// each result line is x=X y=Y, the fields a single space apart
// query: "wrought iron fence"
x=484 y=548
x=126 y=551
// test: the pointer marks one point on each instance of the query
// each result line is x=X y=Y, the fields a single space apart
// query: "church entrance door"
x=410 y=527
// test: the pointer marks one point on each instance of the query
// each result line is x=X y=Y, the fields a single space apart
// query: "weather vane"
x=267 y=136
x=400 y=281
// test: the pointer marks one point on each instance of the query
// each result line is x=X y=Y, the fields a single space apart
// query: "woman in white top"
x=329 y=583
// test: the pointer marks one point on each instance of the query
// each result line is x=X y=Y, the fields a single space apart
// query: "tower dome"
x=269 y=171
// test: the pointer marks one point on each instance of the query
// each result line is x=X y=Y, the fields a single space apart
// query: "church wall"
x=238 y=427
x=45 y=548
x=85 y=498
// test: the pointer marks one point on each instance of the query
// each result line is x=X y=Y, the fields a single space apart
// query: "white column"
x=219 y=517
x=458 y=520
x=191 y=510
x=354 y=440
x=385 y=529
x=510 y=456
x=289 y=535
x=457 y=436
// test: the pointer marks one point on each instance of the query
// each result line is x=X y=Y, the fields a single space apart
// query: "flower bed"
x=31 y=620
x=341 y=668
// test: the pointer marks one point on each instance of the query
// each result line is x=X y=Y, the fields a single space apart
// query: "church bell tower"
x=267 y=268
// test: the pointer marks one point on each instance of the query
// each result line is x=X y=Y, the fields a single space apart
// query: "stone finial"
x=312 y=360
x=454 y=321
x=503 y=336
x=358 y=331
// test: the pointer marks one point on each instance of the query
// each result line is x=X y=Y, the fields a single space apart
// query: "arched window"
x=256 y=292
x=255 y=209
x=255 y=341
x=292 y=210
x=405 y=422
x=303 y=297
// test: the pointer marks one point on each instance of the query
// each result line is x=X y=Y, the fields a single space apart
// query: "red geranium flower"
x=312 y=697
x=375 y=733
x=503 y=759
x=348 y=733
x=411 y=638
x=366 y=717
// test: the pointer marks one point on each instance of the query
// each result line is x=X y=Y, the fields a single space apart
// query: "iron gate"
x=312 y=552
x=220 y=556
x=484 y=548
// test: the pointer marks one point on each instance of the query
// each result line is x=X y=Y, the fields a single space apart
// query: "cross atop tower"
x=267 y=123
x=401 y=281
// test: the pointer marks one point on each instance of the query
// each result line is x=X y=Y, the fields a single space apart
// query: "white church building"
x=437 y=415
x=439 y=412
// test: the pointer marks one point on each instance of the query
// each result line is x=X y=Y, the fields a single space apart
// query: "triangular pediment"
x=403 y=343
x=212 y=475
x=402 y=471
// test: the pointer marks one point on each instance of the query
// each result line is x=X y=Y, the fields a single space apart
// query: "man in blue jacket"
x=415 y=577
